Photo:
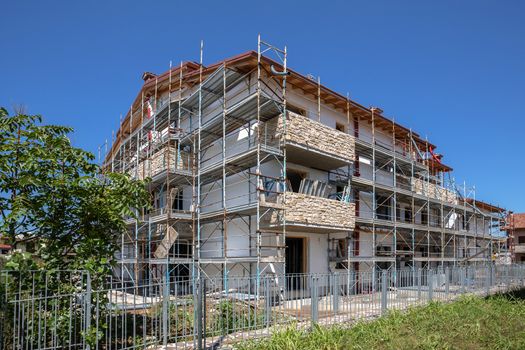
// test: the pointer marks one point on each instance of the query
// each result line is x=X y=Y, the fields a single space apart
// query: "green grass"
x=470 y=323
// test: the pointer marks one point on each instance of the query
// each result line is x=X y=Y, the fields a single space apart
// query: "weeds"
x=496 y=322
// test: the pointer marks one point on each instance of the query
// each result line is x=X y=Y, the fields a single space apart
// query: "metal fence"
x=61 y=310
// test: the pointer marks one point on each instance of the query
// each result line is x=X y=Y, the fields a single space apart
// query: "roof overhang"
x=192 y=75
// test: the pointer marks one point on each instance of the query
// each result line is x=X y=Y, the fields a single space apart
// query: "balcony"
x=434 y=191
x=316 y=143
x=519 y=248
x=168 y=158
x=316 y=214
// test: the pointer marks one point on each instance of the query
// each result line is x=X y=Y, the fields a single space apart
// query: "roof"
x=517 y=221
x=438 y=166
x=485 y=206
x=245 y=62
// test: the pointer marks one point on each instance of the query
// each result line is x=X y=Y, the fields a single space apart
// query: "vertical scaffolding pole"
x=199 y=155
x=319 y=99
x=427 y=194
x=413 y=159
x=464 y=223
x=394 y=205
x=349 y=240
x=169 y=200
x=224 y=224
x=199 y=290
x=374 y=204
x=258 y=168
x=284 y=116
x=136 y=245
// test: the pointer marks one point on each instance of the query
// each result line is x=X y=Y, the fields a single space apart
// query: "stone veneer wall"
x=315 y=135
x=305 y=209
x=158 y=162
x=434 y=191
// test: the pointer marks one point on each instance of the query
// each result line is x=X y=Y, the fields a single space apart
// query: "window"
x=341 y=127
x=342 y=250
x=424 y=216
x=466 y=223
x=521 y=240
x=177 y=202
x=294 y=178
x=408 y=215
x=383 y=208
x=435 y=217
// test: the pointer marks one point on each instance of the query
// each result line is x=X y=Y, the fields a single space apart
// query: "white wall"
x=317 y=250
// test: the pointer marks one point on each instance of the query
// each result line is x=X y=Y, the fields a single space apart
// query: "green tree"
x=54 y=196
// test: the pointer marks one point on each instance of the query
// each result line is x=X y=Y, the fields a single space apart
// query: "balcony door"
x=295 y=262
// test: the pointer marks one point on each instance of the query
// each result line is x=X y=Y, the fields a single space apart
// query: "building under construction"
x=256 y=169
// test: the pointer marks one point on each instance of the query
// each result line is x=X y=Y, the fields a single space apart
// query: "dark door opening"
x=294 y=179
x=295 y=262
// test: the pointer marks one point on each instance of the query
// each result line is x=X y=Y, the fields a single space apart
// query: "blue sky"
x=451 y=70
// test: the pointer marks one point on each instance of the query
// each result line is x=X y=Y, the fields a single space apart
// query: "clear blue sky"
x=451 y=70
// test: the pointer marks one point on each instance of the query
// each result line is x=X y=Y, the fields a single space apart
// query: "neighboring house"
x=4 y=249
x=516 y=230
x=259 y=169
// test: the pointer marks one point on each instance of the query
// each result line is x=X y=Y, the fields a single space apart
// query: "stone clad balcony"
x=165 y=160
x=311 y=141
x=434 y=191
x=307 y=212
x=519 y=248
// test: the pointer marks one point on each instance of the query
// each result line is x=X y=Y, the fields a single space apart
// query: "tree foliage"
x=54 y=196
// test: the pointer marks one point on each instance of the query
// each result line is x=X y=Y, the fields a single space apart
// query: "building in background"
x=257 y=169
x=516 y=236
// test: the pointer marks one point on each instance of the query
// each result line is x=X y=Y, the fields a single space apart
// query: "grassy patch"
x=470 y=323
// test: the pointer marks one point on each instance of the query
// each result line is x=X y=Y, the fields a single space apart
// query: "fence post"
x=487 y=280
x=335 y=292
x=430 y=283
x=491 y=275
x=314 y=289
x=462 y=279
x=3 y=306
x=198 y=311
x=267 y=301
x=447 y=282
x=419 y=283
x=384 y=293
x=165 y=299
x=505 y=278
x=204 y=309
x=87 y=306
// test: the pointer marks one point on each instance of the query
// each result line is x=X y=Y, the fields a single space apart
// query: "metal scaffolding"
x=215 y=143
x=184 y=142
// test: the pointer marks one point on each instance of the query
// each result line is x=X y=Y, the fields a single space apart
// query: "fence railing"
x=61 y=310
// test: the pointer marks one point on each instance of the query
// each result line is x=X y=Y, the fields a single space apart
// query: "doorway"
x=295 y=262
